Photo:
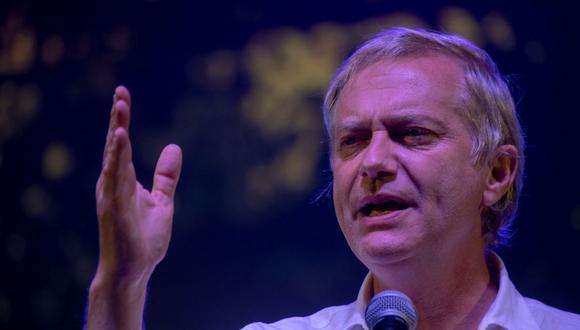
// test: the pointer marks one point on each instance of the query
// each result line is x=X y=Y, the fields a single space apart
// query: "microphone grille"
x=391 y=303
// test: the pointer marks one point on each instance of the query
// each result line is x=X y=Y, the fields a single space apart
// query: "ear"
x=503 y=168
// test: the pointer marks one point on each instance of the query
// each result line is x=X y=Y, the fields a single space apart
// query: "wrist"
x=116 y=303
x=119 y=284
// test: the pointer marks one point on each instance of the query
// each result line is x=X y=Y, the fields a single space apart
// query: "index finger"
x=120 y=117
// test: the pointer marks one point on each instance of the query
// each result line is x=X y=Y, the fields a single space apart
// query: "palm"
x=134 y=223
x=156 y=210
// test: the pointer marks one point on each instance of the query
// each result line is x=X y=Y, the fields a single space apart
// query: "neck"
x=450 y=292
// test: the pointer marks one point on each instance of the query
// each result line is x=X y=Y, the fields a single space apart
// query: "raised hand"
x=134 y=225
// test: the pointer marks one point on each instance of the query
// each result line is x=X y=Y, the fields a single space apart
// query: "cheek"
x=339 y=197
x=344 y=179
x=455 y=190
x=339 y=193
x=445 y=178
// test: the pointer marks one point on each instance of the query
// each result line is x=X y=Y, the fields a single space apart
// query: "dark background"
x=238 y=85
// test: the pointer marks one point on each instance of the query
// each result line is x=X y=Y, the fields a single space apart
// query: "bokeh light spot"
x=258 y=182
x=28 y=101
x=499 y=31
x=460 y=21
x=535 y=52
x=57 y=161
x=23 y=50
x=221 y=69
x=295 y=174
x=52 y=50
x=7 y=122
x=46 y=307
x=18 y=47
x=16 y=247
x=81 y=48
x=70 y=245
x=119 y=39
x=35 y=201
x=18 y=105
x=369 y=27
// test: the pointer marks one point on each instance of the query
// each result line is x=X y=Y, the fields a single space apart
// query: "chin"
x=381 y=249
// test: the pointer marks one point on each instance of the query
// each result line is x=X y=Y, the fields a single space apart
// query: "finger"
x=120 y=117
x=123 y=93
x=110 y=130
x=167 y=171
x=123 y=106
x=106 y=178
x=124 y=179
x=118 y=176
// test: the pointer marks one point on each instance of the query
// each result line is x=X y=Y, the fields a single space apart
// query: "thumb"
x=167 y=171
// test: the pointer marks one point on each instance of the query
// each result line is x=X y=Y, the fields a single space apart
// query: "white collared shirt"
x=509 y=311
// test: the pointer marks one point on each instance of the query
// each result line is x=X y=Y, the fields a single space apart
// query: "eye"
x=348 y=141
x=415 y=136
x=350 y=144
x=416 y=131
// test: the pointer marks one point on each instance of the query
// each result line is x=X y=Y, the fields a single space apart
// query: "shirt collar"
x=508 y=310
x=356 y=320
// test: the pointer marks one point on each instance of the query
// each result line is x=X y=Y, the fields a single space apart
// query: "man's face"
x=405 y=181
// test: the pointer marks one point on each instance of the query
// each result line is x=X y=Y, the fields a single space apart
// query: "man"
x=427 y=156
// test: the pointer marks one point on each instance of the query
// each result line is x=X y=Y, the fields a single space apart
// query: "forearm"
x=134 y=225
x=116 y=305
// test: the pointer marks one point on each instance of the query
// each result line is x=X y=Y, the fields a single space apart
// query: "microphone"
x=391 y=310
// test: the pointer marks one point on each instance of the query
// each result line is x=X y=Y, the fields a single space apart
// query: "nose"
x=379 y=164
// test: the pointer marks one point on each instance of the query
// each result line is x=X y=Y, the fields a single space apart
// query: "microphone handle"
x=391 y=322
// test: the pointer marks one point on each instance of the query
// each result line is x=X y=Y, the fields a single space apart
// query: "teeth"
x=374 y=210
x=376 y=213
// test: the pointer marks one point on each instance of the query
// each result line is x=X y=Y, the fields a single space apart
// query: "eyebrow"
x=419 y=119
x=353 y=123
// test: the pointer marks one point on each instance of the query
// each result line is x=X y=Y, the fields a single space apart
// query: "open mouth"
x=382 y=208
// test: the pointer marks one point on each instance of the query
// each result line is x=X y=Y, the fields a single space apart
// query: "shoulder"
x=335 y=317
x=548 y=317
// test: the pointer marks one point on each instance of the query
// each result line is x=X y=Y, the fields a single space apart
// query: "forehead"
x=415 y=86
